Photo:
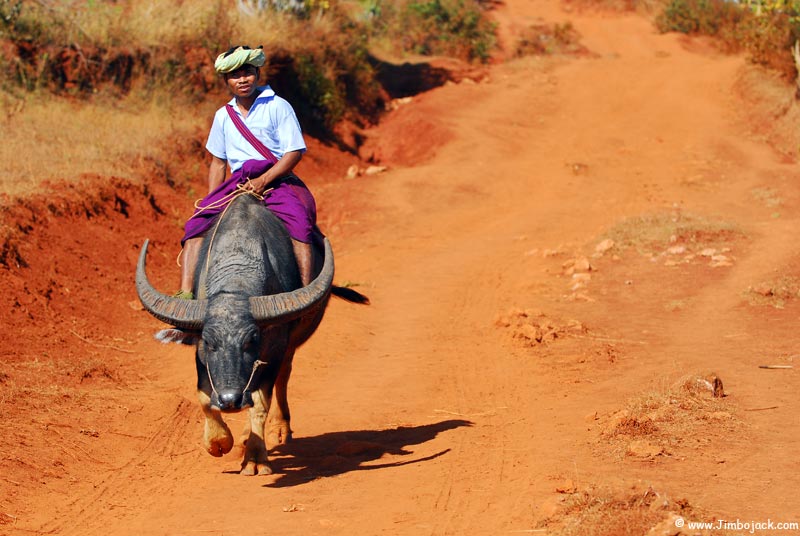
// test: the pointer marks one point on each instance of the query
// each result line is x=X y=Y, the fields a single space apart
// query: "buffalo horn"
x=185 y=314
x=288 y=306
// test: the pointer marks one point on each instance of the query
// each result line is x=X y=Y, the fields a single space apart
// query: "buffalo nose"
x=230 y=399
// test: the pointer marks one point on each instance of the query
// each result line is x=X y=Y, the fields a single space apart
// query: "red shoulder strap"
x=249 y=136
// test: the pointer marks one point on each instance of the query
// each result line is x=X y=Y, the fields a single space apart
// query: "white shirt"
x=271 y=119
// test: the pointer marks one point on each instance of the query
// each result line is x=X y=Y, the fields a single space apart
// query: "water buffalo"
x=250 y=316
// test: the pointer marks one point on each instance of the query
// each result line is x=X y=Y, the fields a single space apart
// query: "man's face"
x=242 y=81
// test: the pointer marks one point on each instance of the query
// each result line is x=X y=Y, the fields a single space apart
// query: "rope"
x=226 y=202
x=240 y=190
x=223 y=202
x=257 y=364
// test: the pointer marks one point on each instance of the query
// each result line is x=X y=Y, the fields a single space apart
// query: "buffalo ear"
x=178 y=336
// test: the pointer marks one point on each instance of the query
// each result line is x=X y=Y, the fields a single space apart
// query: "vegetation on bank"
x=138 y=72
x=318 y=50
x=767 y=30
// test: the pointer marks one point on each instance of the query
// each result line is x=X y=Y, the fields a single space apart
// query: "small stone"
x=352 y=172
x=583 y=265
x=579 y=168
x=604 y=246
x=676 y=250
x=581 y=278
x=717 y=389
x=763 y=290
x=502 y=322
x=644 y=449
x=567 y=486
x=580 y=296
x=708 y=252
x=528 y=333
x=616 y=419
x=719 y=416
x=374 y=170
x=667 y=527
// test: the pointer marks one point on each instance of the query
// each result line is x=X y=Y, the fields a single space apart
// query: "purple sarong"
x=290 y=200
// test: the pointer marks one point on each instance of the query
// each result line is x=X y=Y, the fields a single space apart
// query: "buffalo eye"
x=250 y=342
x=209 y=345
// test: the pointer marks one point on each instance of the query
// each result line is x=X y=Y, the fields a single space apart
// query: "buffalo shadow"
x=304 y=459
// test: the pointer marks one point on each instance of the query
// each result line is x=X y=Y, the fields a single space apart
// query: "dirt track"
x=426 y=412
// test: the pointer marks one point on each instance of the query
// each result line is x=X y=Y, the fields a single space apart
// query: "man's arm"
x=216 y=172
x=282 y=167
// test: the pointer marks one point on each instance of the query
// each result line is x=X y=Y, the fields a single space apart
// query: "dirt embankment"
x=563 y=259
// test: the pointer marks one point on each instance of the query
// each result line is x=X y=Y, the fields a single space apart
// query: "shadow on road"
x=309 y=458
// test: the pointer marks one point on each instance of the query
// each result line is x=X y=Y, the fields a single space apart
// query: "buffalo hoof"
x=256 y=468
x=218 y=440
x=279 y=434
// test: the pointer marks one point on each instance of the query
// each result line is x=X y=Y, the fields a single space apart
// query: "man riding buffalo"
x=254 y=292
x=257 y=134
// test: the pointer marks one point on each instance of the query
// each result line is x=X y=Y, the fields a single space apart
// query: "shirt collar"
x=266 y=92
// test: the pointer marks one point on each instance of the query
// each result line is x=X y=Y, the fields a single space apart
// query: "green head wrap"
x=236 y=57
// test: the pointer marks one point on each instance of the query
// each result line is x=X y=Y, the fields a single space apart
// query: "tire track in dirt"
x=148 y=467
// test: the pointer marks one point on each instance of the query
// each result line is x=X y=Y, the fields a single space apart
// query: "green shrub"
x=540 y=39
x=455 y=28
x=766 y=31
x=85 y=48
x=324 y=102
x=318 y=49
x=705 y=17
x=768 y=40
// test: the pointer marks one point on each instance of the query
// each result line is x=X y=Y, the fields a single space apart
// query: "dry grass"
x=605 y=512
x=146 y=23
x=774 y=292
x=533 y=328
x=540 y=39
x=653 y=232
x=149 y=24
x=58 y=139
x=690 y=411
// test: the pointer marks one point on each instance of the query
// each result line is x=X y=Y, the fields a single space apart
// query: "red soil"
x=444 y=407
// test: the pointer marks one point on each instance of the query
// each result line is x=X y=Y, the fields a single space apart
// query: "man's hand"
x=257 y=185
x=284 y=166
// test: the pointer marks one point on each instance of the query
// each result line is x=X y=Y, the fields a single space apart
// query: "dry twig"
x=111 y=346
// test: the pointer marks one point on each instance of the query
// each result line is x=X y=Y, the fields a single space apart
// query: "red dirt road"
x=434 y=410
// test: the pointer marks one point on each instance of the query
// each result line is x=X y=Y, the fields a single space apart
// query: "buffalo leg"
x=279 y=417
x=217 y=437
x=255 y=453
